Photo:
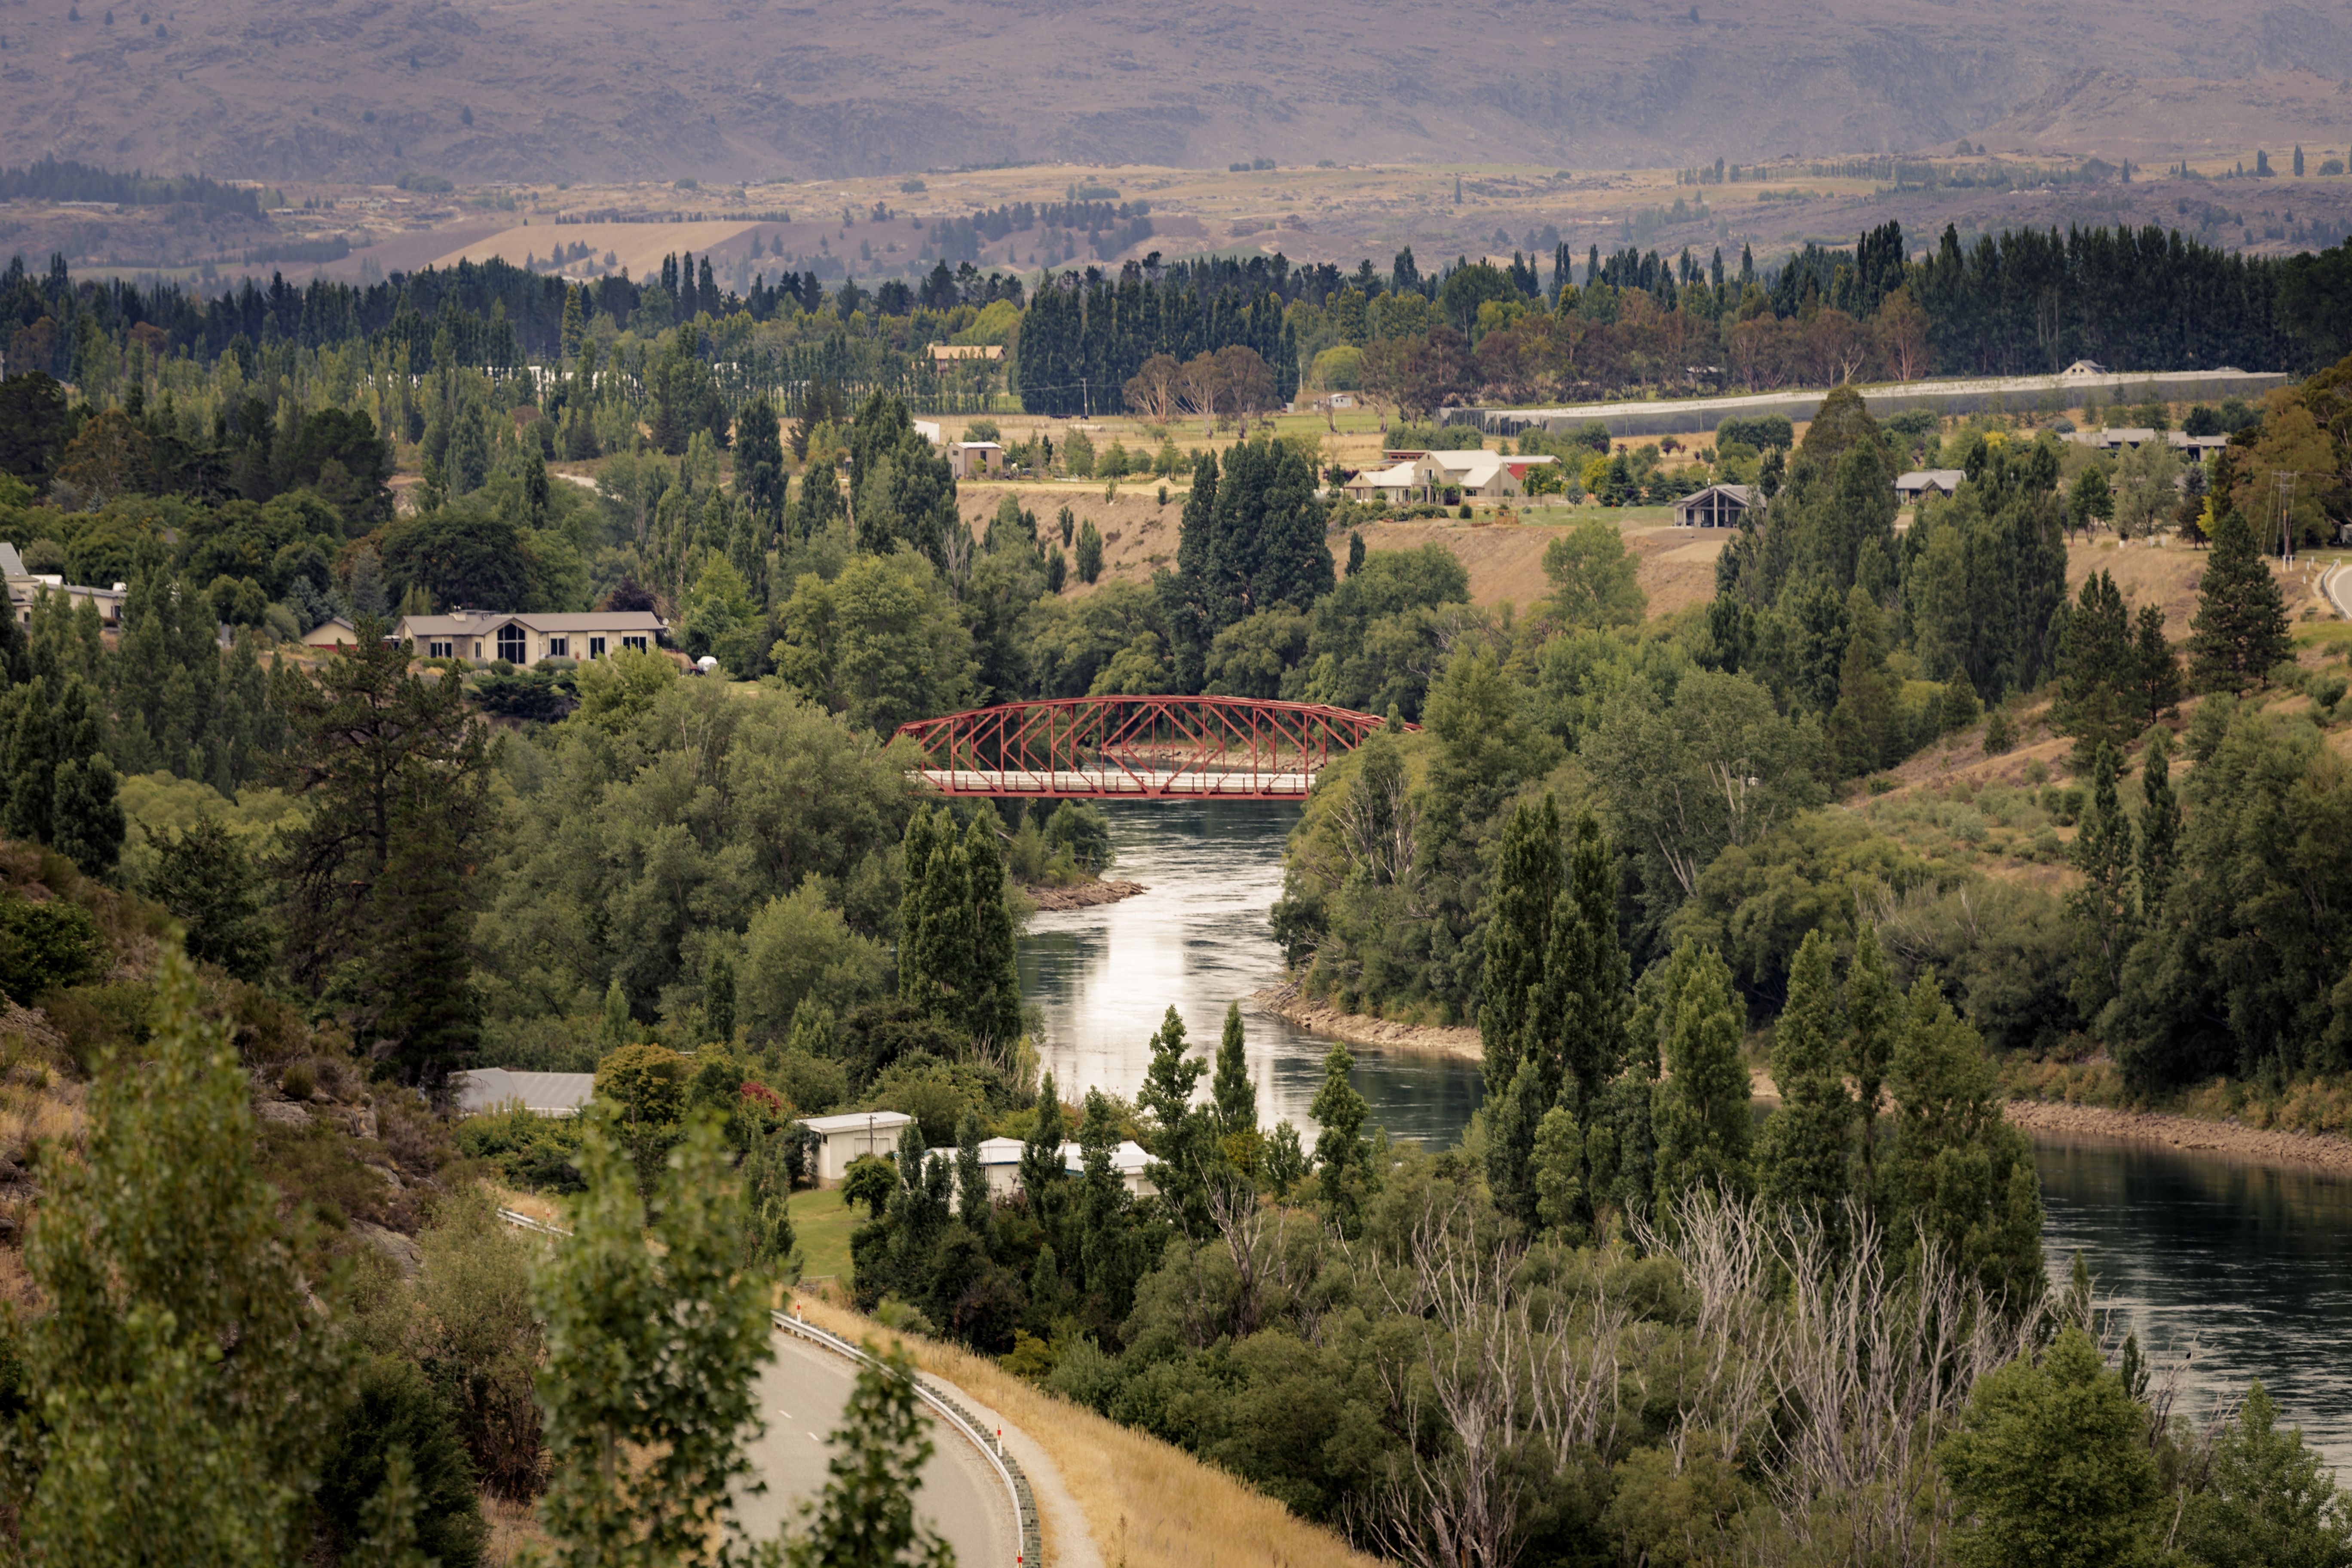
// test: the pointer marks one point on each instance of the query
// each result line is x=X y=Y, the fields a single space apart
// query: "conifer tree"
x=1702 y=1119
x=2099 y=697
x=972 y=1202
x=1235 y=1095
x=2240 y=631
x=2156 y=667
x=2101 y=902
x=1109 y=1250
x=1861 y=725
x=2159 y=827
x=760 y=473
x=1041 y=1152
x=1805 y=1147
x=1184 y=1134
x=1343 y=1157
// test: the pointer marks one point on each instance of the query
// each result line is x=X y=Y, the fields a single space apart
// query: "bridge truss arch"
x=1136 y=748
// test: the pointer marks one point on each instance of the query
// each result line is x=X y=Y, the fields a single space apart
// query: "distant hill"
x=726 y=89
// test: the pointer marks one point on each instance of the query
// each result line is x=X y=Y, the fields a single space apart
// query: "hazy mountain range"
x=726 y=90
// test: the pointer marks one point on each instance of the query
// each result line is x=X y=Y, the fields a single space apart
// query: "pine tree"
x=2156 y=668
x=2098 y=698
x=1110 y=1251
x=2159 y=827
x=1702 y=1118
x=575 y=325
x=1803 y=1155
x=2240 y=631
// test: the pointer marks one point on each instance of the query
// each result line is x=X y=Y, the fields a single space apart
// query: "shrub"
x=298 y=1082
x=2001 y=733
x=393 y=1407
x=55 y=943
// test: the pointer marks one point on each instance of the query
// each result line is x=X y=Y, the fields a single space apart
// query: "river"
x=2251 y=1266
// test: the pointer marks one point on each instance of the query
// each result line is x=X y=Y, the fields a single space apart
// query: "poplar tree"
x=2102 y=904
x=992 y=980
x=1804 y=1151
x=181 y=1377
x=1957 y=1174
x=760 y=472
x=655 y=1340
x=2240 y=631
x=718 y=1000
x=1110 y=1251
x=1701 y=1121
x=1872 y=1010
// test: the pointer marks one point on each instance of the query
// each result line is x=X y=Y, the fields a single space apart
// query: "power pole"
x=2286 y=477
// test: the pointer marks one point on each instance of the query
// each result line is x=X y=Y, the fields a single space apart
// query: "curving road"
x=802 y=1395
x=2335 y=583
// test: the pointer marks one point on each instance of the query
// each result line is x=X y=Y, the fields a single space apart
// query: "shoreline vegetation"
x=2215 y=1133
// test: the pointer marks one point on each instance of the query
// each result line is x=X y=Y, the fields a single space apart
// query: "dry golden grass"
x=514 y=1530
x=1147 y=1504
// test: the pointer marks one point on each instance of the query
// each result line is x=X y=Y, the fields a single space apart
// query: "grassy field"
x=824 y=1224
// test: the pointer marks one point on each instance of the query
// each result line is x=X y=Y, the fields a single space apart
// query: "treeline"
x=65 y=180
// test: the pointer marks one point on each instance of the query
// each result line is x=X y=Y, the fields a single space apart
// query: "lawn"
x=823 y=1224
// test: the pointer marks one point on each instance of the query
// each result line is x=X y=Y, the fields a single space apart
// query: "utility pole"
x=1085 y=398
x=2286 y=477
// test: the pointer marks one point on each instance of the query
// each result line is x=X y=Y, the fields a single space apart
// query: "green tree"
x=655 y=1339
x=161 y=1249
x=2099 y=695
x=1042 y=1167
x=2101 y=902
x=718 y=1000
x=1874 y=1011
x=1864 y=732
x=2050 y=1467
x=394 y=776
x=770 y=1246
x=1234 y=1095
x=208 y=882
x=865 y=1518
x=2159 y=827
x=1594 y=579
x=2156 y=669
x=2269 y=1501
x=1802 y=1156
x=1183 y=1134
x=1957 y=1174
x=991 y=986
x=2240 y=631
x=2091 y=501
x=393 y=1436
x=1702 y=1121
x=1089 y=552
x=1343 y=1156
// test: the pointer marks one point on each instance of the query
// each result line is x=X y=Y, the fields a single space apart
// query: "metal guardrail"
x=991 y=1447
x=1008 y=1468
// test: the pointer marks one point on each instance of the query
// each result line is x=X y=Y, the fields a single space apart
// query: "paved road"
x=802 y=1395
x=2335 y=582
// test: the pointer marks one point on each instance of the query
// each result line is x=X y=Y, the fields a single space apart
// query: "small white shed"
x=841 y=1139
x=1128 y=1160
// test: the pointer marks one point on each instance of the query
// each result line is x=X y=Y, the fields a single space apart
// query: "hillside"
x=732 y=90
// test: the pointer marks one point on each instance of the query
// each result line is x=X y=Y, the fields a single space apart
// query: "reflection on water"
x=2251 y=1265
x=1197 y=941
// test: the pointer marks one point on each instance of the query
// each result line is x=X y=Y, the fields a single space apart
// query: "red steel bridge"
x=1141 y=748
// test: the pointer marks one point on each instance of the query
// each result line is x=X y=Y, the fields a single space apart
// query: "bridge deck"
x=1136 y=784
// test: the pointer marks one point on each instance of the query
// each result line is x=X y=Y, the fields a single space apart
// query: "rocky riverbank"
x=1084 y=896
x=2189 y=1134
x=1359 y=1029
x=2047 y=1118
